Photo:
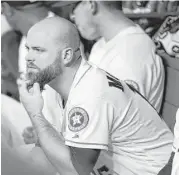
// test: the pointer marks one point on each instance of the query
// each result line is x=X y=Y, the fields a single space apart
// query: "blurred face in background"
x=14 y=17
x=43 y=58
x=21 y=18
x=82 y=16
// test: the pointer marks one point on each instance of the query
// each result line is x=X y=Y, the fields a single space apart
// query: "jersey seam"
x=83 y=143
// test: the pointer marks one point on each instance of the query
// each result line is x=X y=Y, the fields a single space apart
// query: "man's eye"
x=27 y=48
x=38 y=50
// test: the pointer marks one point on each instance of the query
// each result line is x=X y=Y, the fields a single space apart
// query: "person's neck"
x=63 y=83
x=114 y=23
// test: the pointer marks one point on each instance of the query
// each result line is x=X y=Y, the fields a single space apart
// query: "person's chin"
x=88 y=36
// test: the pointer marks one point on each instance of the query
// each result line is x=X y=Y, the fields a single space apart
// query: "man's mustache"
x=32 y=65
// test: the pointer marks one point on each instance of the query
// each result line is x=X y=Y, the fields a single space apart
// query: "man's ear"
x=67 y=56
x=94 y=6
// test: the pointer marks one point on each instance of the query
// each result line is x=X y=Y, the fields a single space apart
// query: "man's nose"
x=29 y=58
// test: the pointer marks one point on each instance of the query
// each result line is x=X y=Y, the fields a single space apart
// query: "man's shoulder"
x=96 y=77
x=98 y=44
x=92 y=85
x=135 y=34
x=102 y=85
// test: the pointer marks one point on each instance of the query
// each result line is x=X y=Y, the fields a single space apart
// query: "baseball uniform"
x=105 y=113
x=130 y=56
x=175 y=167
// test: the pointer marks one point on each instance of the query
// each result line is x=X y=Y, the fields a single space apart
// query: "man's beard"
x=45 y=75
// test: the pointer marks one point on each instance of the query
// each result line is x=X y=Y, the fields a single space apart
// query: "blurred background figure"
x=12 y=163
x=20 y=16
x=14 y=119
x=123 y=49
x=175 y=165
x=172 y=167
x=17 y=18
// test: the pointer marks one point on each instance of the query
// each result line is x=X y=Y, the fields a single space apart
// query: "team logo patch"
x=78 y=119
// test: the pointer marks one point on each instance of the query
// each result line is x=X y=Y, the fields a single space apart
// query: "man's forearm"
x=53 y=145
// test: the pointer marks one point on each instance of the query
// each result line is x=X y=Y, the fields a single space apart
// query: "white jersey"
x=53 y=108
x=5 y=26
x=176 y=133
x=105 y=113
x=130 y=56
x=175 y=167
x=14 y=119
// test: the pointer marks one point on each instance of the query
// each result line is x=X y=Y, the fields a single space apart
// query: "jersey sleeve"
x=134 y=76
x=143 y=71
x=88 y=125
x=176 y=133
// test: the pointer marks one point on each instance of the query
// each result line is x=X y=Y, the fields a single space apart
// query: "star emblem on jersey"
x=78 y=119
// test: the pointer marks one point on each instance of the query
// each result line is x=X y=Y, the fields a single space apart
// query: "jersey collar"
x=84 y=67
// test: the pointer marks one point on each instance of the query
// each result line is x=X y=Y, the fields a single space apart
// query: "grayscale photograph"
x=90 y=87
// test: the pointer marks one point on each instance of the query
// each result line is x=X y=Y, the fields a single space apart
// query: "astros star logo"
x=77 y=119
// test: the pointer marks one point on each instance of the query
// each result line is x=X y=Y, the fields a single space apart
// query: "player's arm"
x=53 y=143
x=67 y=160
x=87 y=132
x=50 y=140
x=84 y=159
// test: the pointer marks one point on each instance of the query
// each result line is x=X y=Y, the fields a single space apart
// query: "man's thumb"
x=36 y=88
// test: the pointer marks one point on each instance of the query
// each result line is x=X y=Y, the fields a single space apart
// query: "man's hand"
x=31 y=99
x=29 y=135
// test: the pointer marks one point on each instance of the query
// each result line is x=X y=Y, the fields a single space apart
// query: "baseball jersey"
x=175 y=167
x=130 y=56
x=5 y=25
x=105 y=113
x=176 y=132
x=14 y=119
x=53 y=107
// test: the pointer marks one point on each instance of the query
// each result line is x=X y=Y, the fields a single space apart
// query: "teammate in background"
x=21 y=15
x=123 y=49
x=14 y=164
x=175 y=166
x=172 y=166
x=103 y=116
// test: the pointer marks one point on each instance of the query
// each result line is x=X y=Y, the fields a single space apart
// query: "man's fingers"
x=28 y=132
x=20 y=82
x=22 y=76
x=29 y=140
x=36 y=88
x=30 y=128
x=27 y=135
x=22 y=85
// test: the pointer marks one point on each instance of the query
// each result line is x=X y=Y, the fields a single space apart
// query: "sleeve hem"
x=86 y=145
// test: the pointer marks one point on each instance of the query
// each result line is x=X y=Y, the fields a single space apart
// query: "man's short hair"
x=113 y=4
